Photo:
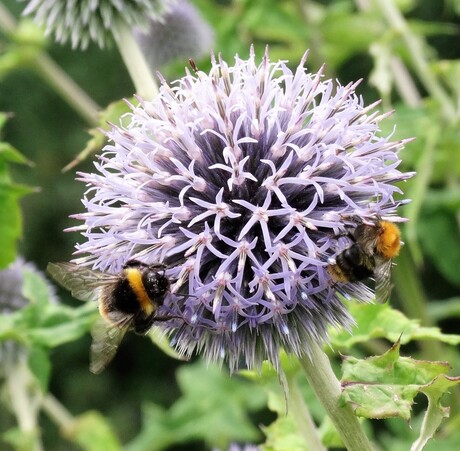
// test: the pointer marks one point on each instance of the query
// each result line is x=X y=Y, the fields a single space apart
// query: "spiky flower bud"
x=11 y=300
x=240 y=180
x=83 y=21
x=182 y=33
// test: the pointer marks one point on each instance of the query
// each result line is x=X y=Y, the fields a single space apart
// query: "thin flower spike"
x=240 y=181
x=85 y=21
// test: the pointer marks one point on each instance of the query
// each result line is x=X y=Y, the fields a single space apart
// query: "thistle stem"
x=67 y=89
x=301 y=414
x=326 y=386
x=134 y=60
x=24 y=401
x=58 y=413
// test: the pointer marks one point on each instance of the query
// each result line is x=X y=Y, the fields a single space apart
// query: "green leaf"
x=382 y=321
x=214 y=408
x=27 y=41
x=435 y=412
x=65 y=325
x=35 y=287
x=10 y=194
x=8 y=154
x=44 y=322
x=283 y=435
x=47 y=324
x=347 y=34
x=110 y=115
x=92 y=432
x=158 y=337
x=22 y=440
x=385 y=386
x=40 y=365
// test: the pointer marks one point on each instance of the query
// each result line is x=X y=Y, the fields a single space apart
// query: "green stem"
x=67 y=89
x=301 y=415
x=55 y=76
x=416 y=53
x=418 y=190
x=326 y=386
x=134 y=60
x=24 y=400
x=58 y=413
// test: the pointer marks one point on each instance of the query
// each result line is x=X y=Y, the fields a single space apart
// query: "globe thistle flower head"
x=83 y=21
x=240 y=180
x=11 y=300
x=182 y=33
x=11 y=284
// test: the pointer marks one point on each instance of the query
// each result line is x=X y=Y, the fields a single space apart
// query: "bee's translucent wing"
x=84 y=283
x=383 y=285
x=106 y=339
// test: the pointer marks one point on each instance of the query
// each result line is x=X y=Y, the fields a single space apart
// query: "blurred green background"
x=355 y=43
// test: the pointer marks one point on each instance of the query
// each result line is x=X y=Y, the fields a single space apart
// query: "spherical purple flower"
x=240 y=181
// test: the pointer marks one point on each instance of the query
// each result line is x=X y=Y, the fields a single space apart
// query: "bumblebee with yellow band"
x=370 y=255
x=127 y=301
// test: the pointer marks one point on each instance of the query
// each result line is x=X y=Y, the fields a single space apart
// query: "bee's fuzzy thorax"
x=389 y=241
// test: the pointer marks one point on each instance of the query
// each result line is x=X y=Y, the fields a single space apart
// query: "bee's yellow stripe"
x=134 y=277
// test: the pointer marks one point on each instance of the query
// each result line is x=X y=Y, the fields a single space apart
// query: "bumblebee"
x=127 y=301
x=374 y=246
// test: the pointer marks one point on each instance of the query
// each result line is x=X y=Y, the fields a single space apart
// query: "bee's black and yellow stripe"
x=134 y=277
x=129 y=295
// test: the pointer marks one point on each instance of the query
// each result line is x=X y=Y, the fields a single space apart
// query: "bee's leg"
x=167 y=318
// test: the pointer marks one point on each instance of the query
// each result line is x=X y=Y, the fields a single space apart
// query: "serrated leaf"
x=382 y=321
x=217 y=416
x=435 y=412
x=385 y=386
x=92 y=432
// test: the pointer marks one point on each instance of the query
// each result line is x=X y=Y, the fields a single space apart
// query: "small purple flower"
x=240 y=181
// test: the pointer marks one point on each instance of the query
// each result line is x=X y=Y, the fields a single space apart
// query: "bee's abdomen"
x=355 y=264
x=124 y=297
